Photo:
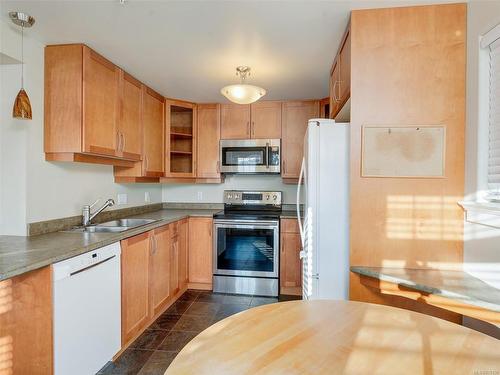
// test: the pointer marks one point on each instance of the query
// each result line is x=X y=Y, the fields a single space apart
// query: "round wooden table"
x=336 y=337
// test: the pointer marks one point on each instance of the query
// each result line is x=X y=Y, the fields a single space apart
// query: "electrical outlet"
x=200 y=195
x=147 y=197
x=122 y=198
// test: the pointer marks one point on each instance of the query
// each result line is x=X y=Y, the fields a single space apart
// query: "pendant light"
x=22 y=105
x=243 y=93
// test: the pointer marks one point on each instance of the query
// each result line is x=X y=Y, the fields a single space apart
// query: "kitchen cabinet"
x=160 y=269
x=154 y=127
x=294 y=124
x=174 y=258
x=200 y=252
x=180 y=128
x=183 y=253
x=265 y=119
x=26 y=323
x=340 y=76
x=208 y=136
x=130 y=125
x=81 y=108
x=135 y=259
x=235 y=121
x=290 y=263
x=258 y=120
x=151 y=138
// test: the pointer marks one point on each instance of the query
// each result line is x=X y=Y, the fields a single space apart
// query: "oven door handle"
x=247 y=226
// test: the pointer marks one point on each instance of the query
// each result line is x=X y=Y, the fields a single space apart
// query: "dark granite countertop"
x=20 y=254
x=456 y=285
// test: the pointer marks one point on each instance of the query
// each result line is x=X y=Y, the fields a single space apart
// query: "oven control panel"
x=238 y=197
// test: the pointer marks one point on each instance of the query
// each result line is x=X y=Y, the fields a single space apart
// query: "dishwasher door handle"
x=92 y=266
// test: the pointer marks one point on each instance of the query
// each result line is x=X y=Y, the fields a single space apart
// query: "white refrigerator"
x=324 y=222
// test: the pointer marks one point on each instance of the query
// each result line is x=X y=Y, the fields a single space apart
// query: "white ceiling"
x=189 y=49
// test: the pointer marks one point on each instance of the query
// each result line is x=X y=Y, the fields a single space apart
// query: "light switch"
x=122 y=199
x=147 y=197
x=200 y=195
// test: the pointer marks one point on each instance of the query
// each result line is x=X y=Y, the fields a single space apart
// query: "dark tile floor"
x=194 y=311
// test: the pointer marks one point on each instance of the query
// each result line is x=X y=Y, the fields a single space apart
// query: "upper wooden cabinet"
x=294 y=125
x=257 y=120
x=340 y=76
x=180 y=128
x=235 y=121
x=130 y=125
x=265 y=120
x=82 y=108
x=154 y=133
x=208 y=129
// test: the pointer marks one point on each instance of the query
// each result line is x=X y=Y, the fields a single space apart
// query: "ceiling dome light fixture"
x=243 y=93
x=22 y=105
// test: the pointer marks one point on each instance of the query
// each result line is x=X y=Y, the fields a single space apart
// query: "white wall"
x=481 y=248
x=32 y=189
x=212 y=193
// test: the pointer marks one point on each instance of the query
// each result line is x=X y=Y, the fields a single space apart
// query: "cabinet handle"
x=123 y=141
x=284 y=166
x=253 y=128
x=146 y=164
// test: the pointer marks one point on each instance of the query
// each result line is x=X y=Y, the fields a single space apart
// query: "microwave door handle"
x=267 y=155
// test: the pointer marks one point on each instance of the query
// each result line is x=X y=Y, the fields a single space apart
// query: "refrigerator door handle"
x=301 y=228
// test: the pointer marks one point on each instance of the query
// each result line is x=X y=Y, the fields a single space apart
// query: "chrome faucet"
x=88 y=217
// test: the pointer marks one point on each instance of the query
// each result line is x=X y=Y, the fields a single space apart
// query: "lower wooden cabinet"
x=183 y=253
x=200 y=252
x=135 y=272
x=290 y=263
x=160 y=269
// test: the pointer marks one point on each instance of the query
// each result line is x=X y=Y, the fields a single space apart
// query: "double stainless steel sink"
x=113 y=226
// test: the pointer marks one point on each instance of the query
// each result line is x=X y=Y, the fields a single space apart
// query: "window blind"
x=494 y=118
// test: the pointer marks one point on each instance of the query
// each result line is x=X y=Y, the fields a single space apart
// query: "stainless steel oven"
x=250 y=156
x=246 y=244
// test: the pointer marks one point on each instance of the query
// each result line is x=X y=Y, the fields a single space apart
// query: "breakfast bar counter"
x=452 y=290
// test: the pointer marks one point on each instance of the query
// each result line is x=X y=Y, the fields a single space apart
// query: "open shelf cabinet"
x=181 y=137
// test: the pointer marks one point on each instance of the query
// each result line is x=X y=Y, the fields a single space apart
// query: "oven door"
x=250 y=156
x=246 y=248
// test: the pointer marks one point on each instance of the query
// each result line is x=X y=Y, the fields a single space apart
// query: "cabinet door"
x=208 y=141
x=130 y=125
x=200 y=250
x=160 y=269
x=100 y=108
x=174 y=264
x=235 y=121
x=266 y=120
x=345 y=70
x=295 y=117
x=135 y=285
x=334 y=89
x=290 y=264
x=154 y=140
x=183 y=253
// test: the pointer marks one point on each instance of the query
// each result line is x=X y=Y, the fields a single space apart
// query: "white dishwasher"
x=87 y=311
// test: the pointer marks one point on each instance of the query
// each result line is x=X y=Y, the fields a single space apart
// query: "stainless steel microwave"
x=250 y=156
